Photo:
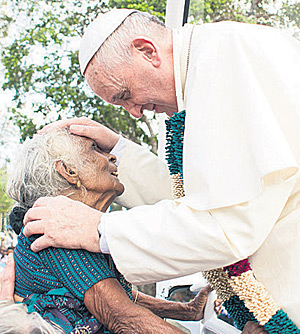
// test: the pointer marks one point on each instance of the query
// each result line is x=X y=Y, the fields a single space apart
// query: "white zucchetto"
x=98 y=31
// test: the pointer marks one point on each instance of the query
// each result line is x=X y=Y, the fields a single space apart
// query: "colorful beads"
x=255 y=296
x=281 y=324
x=218 y=280
x=174 y=142
x=238 y=312
x=237 y=268
x=177 y=186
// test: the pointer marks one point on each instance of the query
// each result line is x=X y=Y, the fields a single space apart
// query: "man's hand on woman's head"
x=63 y=223
x=7 y=280
x=105 y=138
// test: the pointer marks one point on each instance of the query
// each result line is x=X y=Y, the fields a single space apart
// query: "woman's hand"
x=218 y=306
x=108 y=302
x=7 y=280
x=196 y=306
x=105 y=138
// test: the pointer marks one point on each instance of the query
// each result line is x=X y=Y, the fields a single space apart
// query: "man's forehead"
x=103 y=83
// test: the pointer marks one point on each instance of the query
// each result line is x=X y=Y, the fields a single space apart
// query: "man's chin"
x=170 y=113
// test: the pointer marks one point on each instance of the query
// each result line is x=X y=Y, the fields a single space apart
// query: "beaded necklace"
x=243 y=296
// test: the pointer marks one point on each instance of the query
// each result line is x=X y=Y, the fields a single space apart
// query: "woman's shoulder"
x=31 y=272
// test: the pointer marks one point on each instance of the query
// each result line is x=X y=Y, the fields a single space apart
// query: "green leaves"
x=154 y=7
x=42 y=69
x=41 y=63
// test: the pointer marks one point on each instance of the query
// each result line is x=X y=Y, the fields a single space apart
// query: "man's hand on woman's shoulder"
x=63 y=223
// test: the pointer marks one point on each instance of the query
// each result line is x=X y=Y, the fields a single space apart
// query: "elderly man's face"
x=135 y=87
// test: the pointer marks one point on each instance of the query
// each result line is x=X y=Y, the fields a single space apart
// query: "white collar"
x=181 y=43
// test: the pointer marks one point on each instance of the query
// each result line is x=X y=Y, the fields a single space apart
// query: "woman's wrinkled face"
x=99 y=176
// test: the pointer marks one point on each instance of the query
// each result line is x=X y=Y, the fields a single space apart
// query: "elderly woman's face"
x=99 y=176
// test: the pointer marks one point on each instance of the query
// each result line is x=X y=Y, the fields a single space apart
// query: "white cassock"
x=240 y=166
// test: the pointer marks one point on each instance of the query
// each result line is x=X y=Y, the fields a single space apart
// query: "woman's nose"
x=112 y=158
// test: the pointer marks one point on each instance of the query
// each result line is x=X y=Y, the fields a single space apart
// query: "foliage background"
x=41 y=64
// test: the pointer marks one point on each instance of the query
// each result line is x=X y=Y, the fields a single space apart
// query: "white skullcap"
x=98 y=31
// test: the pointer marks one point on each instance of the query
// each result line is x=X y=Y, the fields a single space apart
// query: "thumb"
x=206 y=290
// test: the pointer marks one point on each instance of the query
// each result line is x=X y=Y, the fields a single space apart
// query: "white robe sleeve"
x=145 y=177
x=170 y=239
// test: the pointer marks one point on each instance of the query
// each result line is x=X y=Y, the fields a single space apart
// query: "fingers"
x=218 y=306
x=33 y=214
x=7 y=280
x=54 y=125
x=85 y=131
x=33 y=227
x=66 y=123
x=206 y=290
x=83 y=126
x=40 y=243
x=39 y=209
x=105 y=138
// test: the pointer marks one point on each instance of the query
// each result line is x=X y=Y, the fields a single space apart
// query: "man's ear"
x=67 y=173
x=148 y=49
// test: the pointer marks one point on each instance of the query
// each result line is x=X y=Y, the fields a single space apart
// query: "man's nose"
x=135 y=110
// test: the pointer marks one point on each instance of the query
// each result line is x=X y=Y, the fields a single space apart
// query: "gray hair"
x=33 y=174
x=118 y=43
x=14 y=319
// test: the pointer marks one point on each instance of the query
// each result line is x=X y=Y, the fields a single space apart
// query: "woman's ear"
x=148 y=49
x=67 y=173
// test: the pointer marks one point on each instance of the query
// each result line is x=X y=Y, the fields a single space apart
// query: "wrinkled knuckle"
x=27 y=229
x=51 y=238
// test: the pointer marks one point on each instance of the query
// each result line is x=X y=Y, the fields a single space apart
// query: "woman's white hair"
x=14 y=319
x=118 y=43
x=33 y=173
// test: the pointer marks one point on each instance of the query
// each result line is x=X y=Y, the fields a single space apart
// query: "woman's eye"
x=95 y=147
